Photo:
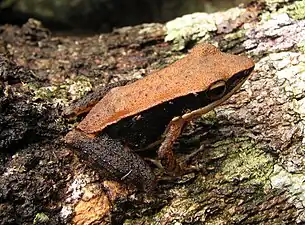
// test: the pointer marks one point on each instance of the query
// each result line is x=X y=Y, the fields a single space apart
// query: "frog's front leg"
x=165 y=152
x=109 y=155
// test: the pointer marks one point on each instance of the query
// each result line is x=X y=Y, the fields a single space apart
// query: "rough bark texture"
x=252 y=156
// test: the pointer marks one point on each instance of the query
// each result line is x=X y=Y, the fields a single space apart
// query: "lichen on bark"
x=252 y=147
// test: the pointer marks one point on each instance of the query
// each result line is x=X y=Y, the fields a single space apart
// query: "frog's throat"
x=196 y=113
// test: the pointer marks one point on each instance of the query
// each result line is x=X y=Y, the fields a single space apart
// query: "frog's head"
x=222 y=75
x=227 y=86
x=226 y=73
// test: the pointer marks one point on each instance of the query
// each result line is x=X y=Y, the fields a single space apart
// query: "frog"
x=131 y=115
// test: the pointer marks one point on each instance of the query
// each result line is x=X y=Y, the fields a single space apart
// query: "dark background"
x=103 y=15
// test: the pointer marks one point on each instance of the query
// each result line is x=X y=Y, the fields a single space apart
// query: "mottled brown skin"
x=158 y=106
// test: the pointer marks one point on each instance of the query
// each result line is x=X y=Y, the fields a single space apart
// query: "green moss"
x=236 y=35
x=190 y=28
x=301 y=46
x=198 y=27
x=70 y=90
x=232 y=160
x=246 y=161
x=233 y=39
x=276 y=5
x=41 y=218
x=296 y=10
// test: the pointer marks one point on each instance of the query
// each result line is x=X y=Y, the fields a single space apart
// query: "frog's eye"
x=217 y=90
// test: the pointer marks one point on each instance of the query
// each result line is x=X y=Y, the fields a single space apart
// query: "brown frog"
x=154 y=108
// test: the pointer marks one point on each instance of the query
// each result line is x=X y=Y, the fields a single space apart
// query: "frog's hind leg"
x=165 y=152
x=110 y=157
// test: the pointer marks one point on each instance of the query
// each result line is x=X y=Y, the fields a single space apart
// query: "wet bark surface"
x=252 y=147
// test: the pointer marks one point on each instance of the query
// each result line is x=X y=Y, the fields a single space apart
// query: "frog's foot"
x=189 y=157
x=165 y=153
x=110 y=157
x=184 y=168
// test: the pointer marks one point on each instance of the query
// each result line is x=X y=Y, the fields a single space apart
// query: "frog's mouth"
x=231 y=86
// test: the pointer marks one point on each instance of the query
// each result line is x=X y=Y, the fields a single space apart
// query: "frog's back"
x=194 y=73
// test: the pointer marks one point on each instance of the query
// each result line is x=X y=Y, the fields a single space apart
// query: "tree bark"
x=251 y=147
